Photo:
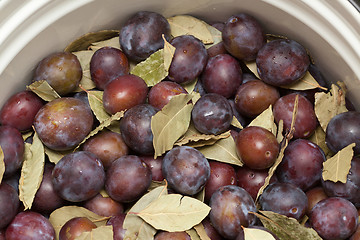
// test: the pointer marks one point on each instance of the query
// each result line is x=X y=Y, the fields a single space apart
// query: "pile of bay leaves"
x=158 y=210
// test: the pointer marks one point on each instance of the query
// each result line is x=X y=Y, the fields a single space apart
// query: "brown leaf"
x=135 y=227
x=31 y=171
x=61 y=215
x=305 y=83
x=43 y=90
x=194 y=138
x=102 y=232
x=328 y=105
x=337 y=168
x=255 y=234
x=265 y=120
x=318 y=137
x=286 y=228
x=224 y=150
x=2 y=164
x=174 y=212
x=201 y=231
x=86 y=83
x=188 y=25
x=83 y=42
x=169 y=124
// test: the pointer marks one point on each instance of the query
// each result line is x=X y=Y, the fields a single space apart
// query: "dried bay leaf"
x=201 y=232
x=169 y=124
x=168 y=54
x=26 y=135
x=328 y=105
x=55 y=156
x=190 y=86
x=224 y=150
x=279 y=135
x=255 y=234
x=265 y=120
x=102 y=232
x=318 y=137
x=31 y=171
x=216 y=35
x=174 y=212
x=86 y=83
x=2 y=164
x=137 y=228
x=189 y=25
x=253 y=68
x=337 y=168
x=156 y=184
x=193 y=234
x=305 y=83
x=112 y=42
x=235 y=122
x=107 y=122
x=61 y=215
x=97 y=106
x=152 y=69
x=286 y=228
x=43 y=90
x=84 y=41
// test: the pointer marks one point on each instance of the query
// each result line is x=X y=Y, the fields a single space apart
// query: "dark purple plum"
x=141 y=35
x=243 y=36
x=342 y=130
x=212 y=114
x=306 y=121
x=282 y=62
x=63 y=123
x=20 y=109
x=9 y=204
x=127 y=179
x=104 y=206
x=161 y=93
x=230 y=210
x=135 y=128
x=302 y=164
x=186 y=170
x=222 y=75
x=75 y=227
x=106 y=64
x=162 y=235
x=155 y=165
x=78 y=176
x=314 y=196
x=62 y=70
x=189 y=59
x=334 y=218
x=117 y=222
x=210 y=230
x=30 y=225
x=13 y=147
x=285 y=199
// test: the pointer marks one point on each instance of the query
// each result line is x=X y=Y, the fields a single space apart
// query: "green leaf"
x=102 y=232
x=188 y=25
x=169 y=124
x=152 y=70
x=224 y=150
x=55 y=156
x=337 y=168
x=43 y=90
x=97 y=106
x=86 y=83
x=136 y=228
x=2 y=164
x=286 y=228
x=174 y=213
x=190 y=86
x=168 y=54
x=31 y=171
x=255 y=234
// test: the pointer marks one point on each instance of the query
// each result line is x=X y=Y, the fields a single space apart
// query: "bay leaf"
x=26 y=135
x=337 y=168
x=103 y=193
x=318 y=137
x=86 y=83
x=135 y=227
x=102 y=232
x=97 y=106
x=61 y=215
x=216 y=36
x=168 y=54
x=328 y=105
x=286 y=228
x=55 y=156
x=193 y=234
x=200 y=195
x=170 y=123
x=195 y=96
x=255 y=234
x=2 y=164
x=305 y=83
x=284 y=143
x=152 y=69
x=189 y=25
x=253 y=68
x=84 y=41
x=199 y=228
x=279 y=135
x=235 y=122
x=107 y=122
x=156 y=184
x=31 y=171
x=174 y=212
x=190 y=86
x=43 y=90
x=194 y=138
x=112 y=42
x=265 y=120
x=224 y=150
